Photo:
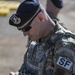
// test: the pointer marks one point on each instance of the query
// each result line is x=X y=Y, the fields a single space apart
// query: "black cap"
x=25 y=12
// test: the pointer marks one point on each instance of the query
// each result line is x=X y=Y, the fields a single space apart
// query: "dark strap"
x=51 y=42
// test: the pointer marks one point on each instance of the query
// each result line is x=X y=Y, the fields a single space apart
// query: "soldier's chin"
x=34 y=39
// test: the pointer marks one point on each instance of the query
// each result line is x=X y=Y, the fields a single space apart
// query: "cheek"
x=35 y=32
x=38 y=34
x=34 y=35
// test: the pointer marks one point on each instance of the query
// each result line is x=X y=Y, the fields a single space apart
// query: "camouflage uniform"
x=53 y=55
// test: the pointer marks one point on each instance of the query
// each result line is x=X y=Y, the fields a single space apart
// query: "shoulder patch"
x=64 y=63
x=15 y=19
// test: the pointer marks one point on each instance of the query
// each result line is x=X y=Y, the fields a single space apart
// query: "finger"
x=11 y=73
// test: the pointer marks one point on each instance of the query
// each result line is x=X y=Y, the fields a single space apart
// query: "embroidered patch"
x=15 y=19
x=65 y=63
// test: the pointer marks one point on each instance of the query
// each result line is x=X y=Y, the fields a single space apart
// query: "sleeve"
x=64 y=61
x=58 y=3
x=22 y=69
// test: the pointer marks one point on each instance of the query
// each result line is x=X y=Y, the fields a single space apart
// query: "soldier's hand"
x=14 y=73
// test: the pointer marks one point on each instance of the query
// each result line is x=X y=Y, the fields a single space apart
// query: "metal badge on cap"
x=15 y=19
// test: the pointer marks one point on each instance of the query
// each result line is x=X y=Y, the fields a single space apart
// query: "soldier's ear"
x=41 y=17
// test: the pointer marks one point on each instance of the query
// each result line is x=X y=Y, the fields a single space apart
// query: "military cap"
x=25 y=13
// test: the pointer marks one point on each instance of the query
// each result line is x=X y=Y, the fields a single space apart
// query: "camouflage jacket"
x=53 y=55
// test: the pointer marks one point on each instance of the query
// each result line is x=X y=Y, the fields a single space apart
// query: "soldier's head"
x=31 y=18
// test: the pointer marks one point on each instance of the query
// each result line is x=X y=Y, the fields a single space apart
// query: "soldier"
x=52 y=50
x=53 y=8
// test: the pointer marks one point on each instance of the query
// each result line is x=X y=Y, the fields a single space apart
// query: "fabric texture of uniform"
x=54 y=55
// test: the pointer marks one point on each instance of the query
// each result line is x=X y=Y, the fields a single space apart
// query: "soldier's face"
x=35 y=32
